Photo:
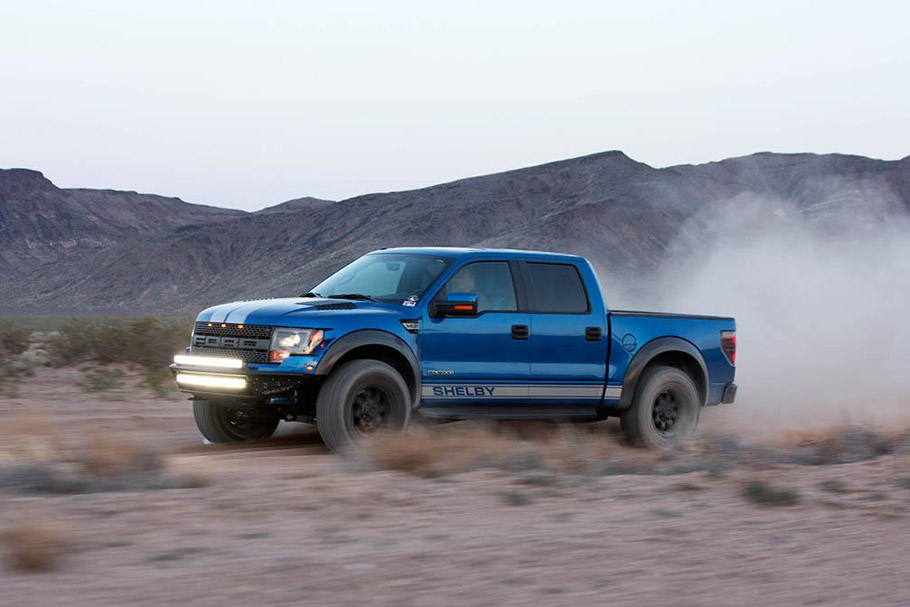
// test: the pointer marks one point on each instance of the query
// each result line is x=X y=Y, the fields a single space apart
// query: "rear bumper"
x=729 y=394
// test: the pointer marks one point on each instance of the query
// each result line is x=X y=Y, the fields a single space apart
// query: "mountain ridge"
x=620 y=212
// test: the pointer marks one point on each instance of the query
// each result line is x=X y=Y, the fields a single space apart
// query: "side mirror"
x=456 y=304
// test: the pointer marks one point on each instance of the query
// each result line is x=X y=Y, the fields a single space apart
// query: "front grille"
x=233 y=330
x=250 y=344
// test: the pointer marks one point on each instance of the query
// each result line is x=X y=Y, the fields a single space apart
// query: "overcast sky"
x=247 y=104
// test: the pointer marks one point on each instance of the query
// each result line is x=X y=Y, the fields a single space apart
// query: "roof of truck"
x=463 y=252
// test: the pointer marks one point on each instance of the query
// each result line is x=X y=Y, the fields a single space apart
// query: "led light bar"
x=212 y=362
x=227 y=382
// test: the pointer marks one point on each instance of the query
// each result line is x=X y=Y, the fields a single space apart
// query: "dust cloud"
x=821 y=299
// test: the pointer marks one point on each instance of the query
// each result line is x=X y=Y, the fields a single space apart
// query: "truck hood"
x=299 y=311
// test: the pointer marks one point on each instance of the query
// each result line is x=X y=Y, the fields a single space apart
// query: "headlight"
x=286 y=342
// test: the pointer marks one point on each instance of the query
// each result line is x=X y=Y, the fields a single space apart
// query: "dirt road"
x=292 y=524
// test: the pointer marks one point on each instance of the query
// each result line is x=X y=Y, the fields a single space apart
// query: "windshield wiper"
x=311 y=294
x=359 y=296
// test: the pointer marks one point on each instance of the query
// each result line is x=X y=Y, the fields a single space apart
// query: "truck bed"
x=633 y=331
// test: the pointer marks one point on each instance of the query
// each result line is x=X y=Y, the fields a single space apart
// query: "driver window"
x=491 y=281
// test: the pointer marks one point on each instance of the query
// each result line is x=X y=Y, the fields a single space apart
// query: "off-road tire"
x=338 y=406
x=644 y=423
x=225 y=422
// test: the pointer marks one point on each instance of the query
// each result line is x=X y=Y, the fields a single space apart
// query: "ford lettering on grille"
x=250 y=342
x=211 y=341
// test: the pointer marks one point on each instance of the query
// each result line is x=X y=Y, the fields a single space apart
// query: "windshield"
x=386 y=277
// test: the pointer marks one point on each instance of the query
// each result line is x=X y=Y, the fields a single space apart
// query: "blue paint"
x=477 y=356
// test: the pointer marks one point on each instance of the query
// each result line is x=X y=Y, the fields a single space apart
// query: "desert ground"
x=111 y=498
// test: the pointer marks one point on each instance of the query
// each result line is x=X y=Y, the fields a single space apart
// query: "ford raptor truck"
x=449 y=334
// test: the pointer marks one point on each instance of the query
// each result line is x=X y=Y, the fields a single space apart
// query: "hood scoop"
x=342 y=305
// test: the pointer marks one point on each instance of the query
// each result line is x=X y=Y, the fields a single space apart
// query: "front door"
x=482 y=359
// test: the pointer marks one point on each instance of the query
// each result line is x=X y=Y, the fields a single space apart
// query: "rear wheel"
x=224 y=422
x=665 y=409
x=359 y=398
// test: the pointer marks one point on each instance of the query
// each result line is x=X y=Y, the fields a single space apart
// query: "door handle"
x=593 y=334
x=520 y=332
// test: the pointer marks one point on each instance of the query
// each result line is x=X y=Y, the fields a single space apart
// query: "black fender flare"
x=649 y=352
x=371 y=337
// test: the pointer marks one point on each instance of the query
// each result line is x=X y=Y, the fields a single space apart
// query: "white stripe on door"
x=483 y=391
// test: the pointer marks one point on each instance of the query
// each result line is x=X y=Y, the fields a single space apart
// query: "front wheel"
x=361 y=397
x=223 y=422
x=665 y=409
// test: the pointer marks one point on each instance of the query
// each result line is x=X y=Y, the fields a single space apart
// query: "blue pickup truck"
x=448 y=334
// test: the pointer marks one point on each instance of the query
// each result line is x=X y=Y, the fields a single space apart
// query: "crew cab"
x=449 y=334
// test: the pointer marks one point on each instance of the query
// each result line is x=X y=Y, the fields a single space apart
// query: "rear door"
x=482 y=359
x=568 y=336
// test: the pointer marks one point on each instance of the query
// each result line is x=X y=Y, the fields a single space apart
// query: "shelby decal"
x=463 y=390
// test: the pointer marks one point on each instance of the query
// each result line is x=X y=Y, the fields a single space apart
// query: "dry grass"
x=520 y=447
x=33 y=438
x=104 y=456
x=592 y=449
x=766 y=494
x=37 y=459
x=29 y=436
x=35 y=545
x=13 y=341
x=147 y=342
x=432 y=452
x=845 y=442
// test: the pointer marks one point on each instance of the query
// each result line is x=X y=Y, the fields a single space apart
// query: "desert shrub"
x=424 y=452
x=452 y=448
x=105 y=457
x=8 y=383
x=99 y=379
x=841 y=445
x=146 y=342
x=13 y=341
x=35 y=458
x=514 y=498
x=159 y=380
x=766 y=494
x=35 y=545
x=834 y=486
x=539 y=479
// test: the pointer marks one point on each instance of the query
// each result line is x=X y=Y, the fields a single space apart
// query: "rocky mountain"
x=306 y=203
x=125 y=253
x=43 y=224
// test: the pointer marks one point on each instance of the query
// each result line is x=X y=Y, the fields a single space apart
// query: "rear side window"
x=557 y=288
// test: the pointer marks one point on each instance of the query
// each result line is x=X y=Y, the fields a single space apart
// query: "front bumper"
x=242 y=384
